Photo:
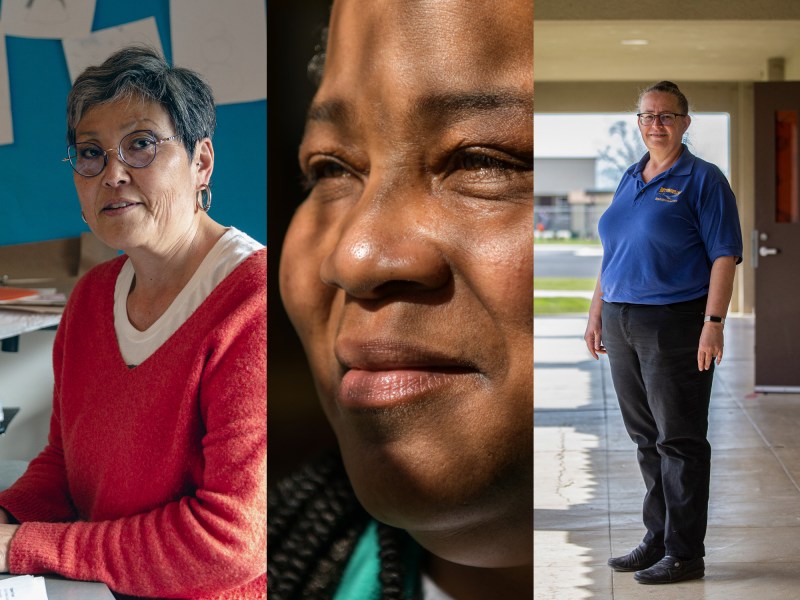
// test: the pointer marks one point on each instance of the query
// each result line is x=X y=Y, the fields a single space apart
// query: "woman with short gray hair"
x=154 y=477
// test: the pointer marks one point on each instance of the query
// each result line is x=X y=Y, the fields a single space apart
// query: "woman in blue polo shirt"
x=671 y=242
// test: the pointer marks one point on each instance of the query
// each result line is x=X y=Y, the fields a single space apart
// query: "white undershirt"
x=136 y=346
x=431 y=591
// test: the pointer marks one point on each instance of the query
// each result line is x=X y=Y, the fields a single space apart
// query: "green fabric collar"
x=361 y=578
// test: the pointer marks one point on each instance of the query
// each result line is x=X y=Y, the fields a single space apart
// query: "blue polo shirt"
x=660 y=238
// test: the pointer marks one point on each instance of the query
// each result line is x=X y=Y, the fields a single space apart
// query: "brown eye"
x=322 y=169
x=489 y=173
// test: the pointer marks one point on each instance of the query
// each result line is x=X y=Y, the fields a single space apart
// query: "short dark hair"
x=141 y=72
x=668 y=87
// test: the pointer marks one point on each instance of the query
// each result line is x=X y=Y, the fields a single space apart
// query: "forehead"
x=659 y=101
x=383 y=53
x=122 y=114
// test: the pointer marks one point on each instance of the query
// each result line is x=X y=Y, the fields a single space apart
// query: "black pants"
x=664 y=401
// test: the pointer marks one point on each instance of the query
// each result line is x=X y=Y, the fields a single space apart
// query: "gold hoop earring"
x=204 y=203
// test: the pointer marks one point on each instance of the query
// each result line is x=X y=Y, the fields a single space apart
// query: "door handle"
x=764 y=251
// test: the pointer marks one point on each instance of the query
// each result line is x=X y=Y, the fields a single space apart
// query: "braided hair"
x=313 y=524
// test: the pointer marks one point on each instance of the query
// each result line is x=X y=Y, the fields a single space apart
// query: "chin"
x=473 y=510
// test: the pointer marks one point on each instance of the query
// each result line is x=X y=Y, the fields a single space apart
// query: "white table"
x=58 y=588
x=66 y=589
x=15 y=322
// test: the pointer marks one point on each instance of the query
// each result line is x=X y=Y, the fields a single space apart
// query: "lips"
x=118 y=206
x=384 y=374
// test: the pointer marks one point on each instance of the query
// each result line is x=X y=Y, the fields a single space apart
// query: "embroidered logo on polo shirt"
x=666 y=194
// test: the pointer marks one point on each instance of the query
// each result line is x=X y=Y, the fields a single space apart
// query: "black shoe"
x=671 y=570
x=641 y=557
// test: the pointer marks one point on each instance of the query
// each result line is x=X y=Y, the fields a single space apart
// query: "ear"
x=203 y=162
x=688 y=122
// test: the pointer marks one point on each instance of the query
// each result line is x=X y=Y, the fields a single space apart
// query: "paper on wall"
x=93 y=49
x=227 y=46
x=47 y=18
x=24 y=587
x=6 y=126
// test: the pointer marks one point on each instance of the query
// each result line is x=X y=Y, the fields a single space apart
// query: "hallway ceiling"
x=577 y=50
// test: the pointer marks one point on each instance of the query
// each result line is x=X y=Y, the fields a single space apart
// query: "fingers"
x=594 y=344
x=705 y=358
x=590 y=347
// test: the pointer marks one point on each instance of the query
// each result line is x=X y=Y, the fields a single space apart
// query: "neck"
x=158 y=268
x=477 y=583
x=662 y=160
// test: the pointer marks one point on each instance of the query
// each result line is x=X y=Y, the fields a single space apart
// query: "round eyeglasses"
x=667 y=119
x=137 y=150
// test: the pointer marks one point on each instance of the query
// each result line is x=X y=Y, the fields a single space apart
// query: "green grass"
x=571 y=241
x=559 y=306
x=564 y=283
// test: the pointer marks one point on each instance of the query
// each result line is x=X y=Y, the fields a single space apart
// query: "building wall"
x=559 y=176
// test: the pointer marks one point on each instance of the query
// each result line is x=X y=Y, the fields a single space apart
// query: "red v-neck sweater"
x=154 y=478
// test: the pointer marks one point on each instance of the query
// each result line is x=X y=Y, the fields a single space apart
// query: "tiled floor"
x=588 y=490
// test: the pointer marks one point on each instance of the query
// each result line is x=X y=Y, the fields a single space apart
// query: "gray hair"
x=139 y=72
x=316 y=66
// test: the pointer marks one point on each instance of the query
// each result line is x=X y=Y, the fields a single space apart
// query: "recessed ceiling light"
x=635 y=42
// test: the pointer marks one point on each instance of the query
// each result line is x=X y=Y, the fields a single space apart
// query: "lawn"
x=560 y=306
x=570 y=241
x=564 y=283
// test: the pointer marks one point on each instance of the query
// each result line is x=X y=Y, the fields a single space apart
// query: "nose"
x=387 y=244
x=116 y=171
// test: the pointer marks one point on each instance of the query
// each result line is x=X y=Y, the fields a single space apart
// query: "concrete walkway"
x=588 y=490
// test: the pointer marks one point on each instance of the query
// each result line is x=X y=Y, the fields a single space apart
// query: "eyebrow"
x=127 y=125
x=437 y=108
x=457 y=105
x=336 y=112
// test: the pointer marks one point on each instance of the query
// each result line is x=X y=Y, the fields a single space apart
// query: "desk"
x=16 y=322
x=66 y=589
x=58 y=588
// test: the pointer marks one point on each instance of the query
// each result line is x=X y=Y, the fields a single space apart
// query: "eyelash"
x=476 y=161
x=487 y=160
x=317 y=168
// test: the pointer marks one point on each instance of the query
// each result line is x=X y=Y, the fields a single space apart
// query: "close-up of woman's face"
x=658 y=137
x=131 y=207
x=407 y=271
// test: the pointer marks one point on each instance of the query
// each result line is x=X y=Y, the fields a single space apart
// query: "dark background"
x=297 y=429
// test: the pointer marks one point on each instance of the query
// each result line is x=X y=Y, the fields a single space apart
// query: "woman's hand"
x=711 y=342
x=594 y=328
x=593 y=336
x=6 y=533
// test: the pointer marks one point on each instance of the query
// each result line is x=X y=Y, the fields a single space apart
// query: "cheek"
x=307 y=300
x=501 y=275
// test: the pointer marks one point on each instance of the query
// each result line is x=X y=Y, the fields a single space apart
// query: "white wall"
x=26 y=381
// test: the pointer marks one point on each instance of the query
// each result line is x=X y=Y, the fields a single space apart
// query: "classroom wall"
x=37 y=196
x=38 y=200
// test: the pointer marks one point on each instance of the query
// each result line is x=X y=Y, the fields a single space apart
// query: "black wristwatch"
x=714 y=319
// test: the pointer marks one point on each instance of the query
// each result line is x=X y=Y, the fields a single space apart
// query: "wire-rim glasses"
x=667 y=119
x=137 y=150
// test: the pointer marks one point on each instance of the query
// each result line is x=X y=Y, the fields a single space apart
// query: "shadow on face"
x=407 y=272
x=298 y=430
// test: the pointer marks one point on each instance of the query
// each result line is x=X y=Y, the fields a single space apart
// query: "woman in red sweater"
x=154 y=477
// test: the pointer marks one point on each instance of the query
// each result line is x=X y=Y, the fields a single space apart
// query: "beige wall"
x=733 y=98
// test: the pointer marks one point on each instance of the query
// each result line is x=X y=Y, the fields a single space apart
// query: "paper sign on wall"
x=6 y=128
x=227 y=47
x=47 y=18
x=93 y=49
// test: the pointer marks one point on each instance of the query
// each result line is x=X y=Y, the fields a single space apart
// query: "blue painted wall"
x=37 y=197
